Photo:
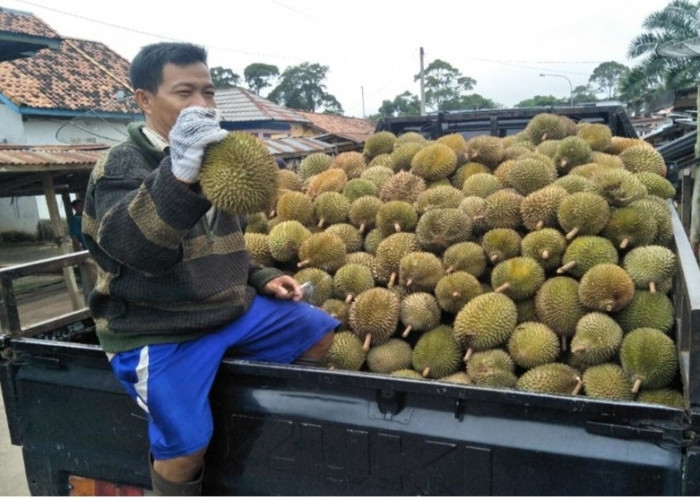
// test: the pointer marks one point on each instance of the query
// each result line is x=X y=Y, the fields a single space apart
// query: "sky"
x=372 y=47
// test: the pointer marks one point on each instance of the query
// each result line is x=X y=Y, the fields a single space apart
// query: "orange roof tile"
x=81 y=75
x=25 y=23
x=354 y=129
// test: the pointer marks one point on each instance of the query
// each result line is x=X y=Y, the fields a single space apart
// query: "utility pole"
x=362 y=89
x=422 y=84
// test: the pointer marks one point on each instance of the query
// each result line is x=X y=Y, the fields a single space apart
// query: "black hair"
x=74 y=203
x=146 y=70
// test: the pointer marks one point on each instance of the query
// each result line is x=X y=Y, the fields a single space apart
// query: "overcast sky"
x=372 y=47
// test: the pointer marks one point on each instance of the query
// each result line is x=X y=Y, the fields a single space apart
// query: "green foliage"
x=444 y=84
x=606 y=77
x=541 y=100
x=405 y=104
x=258 y=75
x=583 y=93
x=301 y=87
x=224 y=78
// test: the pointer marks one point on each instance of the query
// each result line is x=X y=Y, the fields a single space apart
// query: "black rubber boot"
x=163 y=487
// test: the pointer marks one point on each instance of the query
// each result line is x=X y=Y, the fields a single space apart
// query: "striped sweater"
x=166 y=273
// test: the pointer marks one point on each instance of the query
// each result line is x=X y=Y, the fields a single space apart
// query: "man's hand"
x=284 y=287
x=195 y=128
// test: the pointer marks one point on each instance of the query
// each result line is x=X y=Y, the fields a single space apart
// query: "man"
x=76 y=221
x=176 y=287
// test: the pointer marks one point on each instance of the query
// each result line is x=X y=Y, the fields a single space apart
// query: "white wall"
x=11 y=128
x=19 y=214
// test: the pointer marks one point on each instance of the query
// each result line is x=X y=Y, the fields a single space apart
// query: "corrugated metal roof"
x=297 y=146
x=237 y=104
x=354 y=129
x=27 y=156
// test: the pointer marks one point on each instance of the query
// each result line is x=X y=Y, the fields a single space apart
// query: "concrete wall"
x=19 y=214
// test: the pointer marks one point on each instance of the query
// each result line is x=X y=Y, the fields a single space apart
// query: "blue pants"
x=171 y=382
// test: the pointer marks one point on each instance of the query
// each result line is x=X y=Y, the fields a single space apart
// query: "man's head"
x=167 y=78
x=77 y=206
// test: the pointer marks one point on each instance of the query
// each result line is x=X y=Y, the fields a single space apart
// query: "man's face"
x=182 y=87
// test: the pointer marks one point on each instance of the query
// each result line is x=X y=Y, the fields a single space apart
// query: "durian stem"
x=570 y=235
x=304 y=262
x=479 y=217
x=577 y=349
x=397 y=227
x=368 y=341
x=409 y=282
x=392 y=280
x=456 y=294
x=539 y=225
x=494 y=258
x=624 y=243
x=272 y=214
x=569 y=265
x=563 y=163
x=407 y=331
x=468 y=354
x=563 y=344
x=426 y=372
x=609 y=305
x=449 y=270
x=637 y=385
x=544 y=137
x=348 y=298
x=652 y=287
x=504 y=287
x=545 y=254
x=321 y=222
x=362 y=227
x=579 y=386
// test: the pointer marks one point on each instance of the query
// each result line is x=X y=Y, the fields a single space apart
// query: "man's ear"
x=143 y=99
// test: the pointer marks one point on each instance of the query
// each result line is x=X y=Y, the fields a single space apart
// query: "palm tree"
x=677 y=22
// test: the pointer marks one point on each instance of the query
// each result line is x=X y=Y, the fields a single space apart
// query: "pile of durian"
x=537 y=262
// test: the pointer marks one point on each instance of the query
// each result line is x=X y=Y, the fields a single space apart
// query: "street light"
x=571 y=87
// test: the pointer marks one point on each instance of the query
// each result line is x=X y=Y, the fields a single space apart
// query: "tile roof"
x=297 y=146
x=82 y=75
x=354 y=129
x=241 y=105
x=25 y=23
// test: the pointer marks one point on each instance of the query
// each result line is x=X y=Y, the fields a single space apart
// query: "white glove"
x=195 y=128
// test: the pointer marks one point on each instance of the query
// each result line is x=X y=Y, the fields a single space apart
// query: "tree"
x=541 y=100
x=301 y=87
x=471 y=101
x=677 y=22
x=258 y=76
x=402 y=105
x=444 y=84
x=224 y=78
x=583 y=93
x=606 y=77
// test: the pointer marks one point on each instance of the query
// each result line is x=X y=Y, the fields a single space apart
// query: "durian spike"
x=321 y=222
x=624 y=243
x=409 y=282
x=426 y=372
x=304 y=262
x=579 y=386
x=539 y=225
x=407 y=331
x=503 y=288
x=362 y=227
x=397 y=227
x=569 y=265
x=652 y=287
x=348 y=298
x=637 y=385
x=392 y=280
x=570 y=235
x=468 y=354
x=545 y=254
x=450 y=270
x=456 y=294
x=368 y=341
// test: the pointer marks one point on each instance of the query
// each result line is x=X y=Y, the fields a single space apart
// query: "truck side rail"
x=9 y=314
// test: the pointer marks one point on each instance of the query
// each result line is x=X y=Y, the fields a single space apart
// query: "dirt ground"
x=38 y=299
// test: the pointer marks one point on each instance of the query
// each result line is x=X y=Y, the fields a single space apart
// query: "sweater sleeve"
x=141 y=214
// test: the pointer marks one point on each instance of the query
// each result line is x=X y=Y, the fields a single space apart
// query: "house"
x=54 y=91
x=345 y=133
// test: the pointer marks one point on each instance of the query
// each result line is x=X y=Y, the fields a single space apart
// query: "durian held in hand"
x=239 y=176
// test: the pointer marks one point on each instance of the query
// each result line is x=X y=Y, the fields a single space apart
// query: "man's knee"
x=320 y=348
x=180 y=469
